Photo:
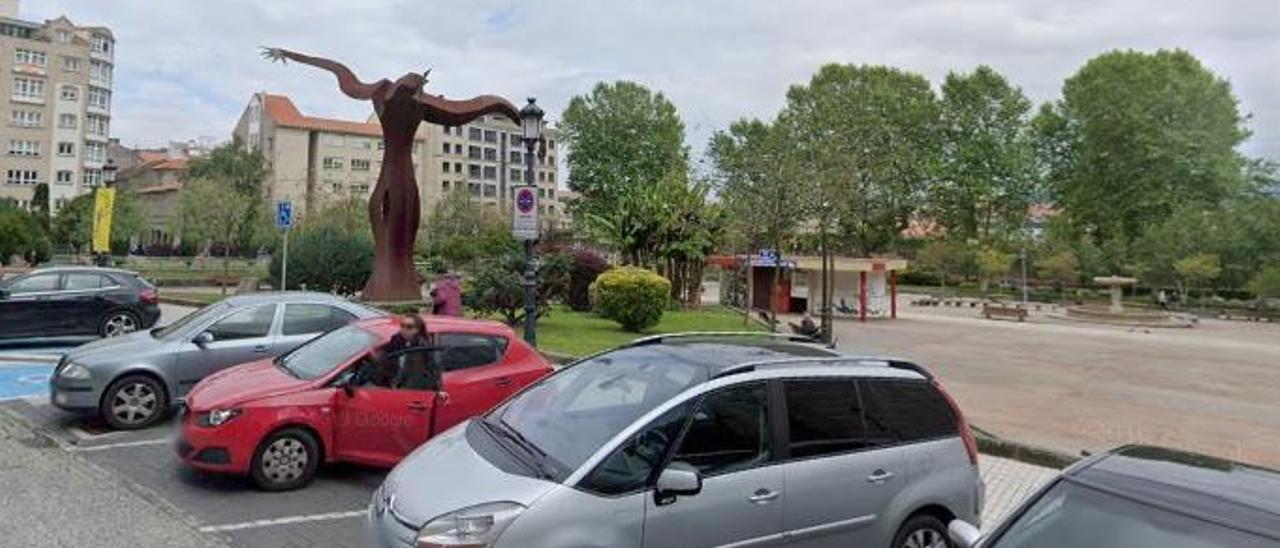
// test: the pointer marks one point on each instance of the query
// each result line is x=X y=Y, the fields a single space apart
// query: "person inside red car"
x=397 y=368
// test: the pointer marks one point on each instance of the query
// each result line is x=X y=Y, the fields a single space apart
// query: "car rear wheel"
x=922 y=531
x=286 y=460
x=118 y=322
x=133 y=402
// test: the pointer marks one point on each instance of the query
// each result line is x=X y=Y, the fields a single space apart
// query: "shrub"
x=633 y=297
x=326 y=258
x=498 y=287
x=586 y=266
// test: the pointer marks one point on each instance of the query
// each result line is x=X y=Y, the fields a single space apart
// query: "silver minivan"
x=696 y=440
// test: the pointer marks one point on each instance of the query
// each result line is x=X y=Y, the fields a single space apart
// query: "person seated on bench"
x=807 y=327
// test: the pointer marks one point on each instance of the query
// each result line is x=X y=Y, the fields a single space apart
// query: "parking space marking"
x=120 y=445
x=281 y=521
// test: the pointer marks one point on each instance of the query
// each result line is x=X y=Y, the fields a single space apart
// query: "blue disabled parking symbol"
x=24 y=380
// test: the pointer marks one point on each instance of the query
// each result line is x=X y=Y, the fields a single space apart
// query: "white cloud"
x=186 y=67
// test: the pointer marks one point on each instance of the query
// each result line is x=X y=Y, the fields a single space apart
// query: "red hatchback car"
x=342 y=398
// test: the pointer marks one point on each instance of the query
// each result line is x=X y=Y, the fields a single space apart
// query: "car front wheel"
x=133 y=402
x=922 y=531
x=286 y=460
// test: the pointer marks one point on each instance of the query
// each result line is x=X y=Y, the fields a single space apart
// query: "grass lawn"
x=580 y=333
x=205 y=296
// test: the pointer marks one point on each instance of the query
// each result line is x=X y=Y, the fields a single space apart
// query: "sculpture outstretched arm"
x=447 y=112
x=347 y=80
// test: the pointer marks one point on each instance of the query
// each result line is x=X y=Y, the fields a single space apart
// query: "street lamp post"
x=531 y=127
x=1023 y=256
x=108 y=181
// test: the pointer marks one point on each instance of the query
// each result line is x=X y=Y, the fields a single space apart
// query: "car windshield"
x=194 y=318
x=1072 y=515
x=322 y=354
x=571 y=414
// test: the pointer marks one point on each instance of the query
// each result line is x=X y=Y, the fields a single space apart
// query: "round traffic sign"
x=525 y=200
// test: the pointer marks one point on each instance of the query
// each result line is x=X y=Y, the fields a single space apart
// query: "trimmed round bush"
x=633 y=297
x=586 y=266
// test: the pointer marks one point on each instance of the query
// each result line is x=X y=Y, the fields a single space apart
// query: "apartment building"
x=315 y=160
x=55 y=88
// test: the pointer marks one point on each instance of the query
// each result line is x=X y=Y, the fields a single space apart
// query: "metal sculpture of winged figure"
x=394 y=208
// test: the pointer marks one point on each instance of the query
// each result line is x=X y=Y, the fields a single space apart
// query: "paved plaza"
x=1074 y=386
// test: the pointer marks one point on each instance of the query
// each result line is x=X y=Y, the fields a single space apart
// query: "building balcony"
x=30 y=70
x=101 y=111
x=108 y=57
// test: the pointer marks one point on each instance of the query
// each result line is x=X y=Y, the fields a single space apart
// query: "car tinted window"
x=35 y=284
x=631 y=467
x=899 y=410
x=246 y=323
x=302 y=319
x=1071 y=515
x=572 y=413
x=82 y=281
x=465 y=350
x=824 y=417
x=729 y=431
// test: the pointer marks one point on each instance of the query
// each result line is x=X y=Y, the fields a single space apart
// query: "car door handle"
x=417 y=406
x=504 y=381
x=762 y=496
x=879 y=476
x=260 y=348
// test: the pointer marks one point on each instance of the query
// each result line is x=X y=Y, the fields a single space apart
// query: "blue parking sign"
x=284 y=215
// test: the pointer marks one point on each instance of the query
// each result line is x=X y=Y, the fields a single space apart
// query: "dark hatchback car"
x=1139 y=496
x=71 y=301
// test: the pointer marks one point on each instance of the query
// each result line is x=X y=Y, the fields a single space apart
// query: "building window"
x=335 y=186
x=473 y=171
x=490 y=136
x=24 y=148
x=65 y=177
x=359 y=189
x=100 y=72
x=23 y=177
x=515 y=175
x=67 y=121
x=30 y=57
x=474 y=188
x=473 y=153
x=490 y=172
x=66 y=149
x=332 y=162
x=457 y=167
x=516 y=157
x=475 y=134
x=490 y=191
x=100 y=98
x=95 y=152
x=96 y=125
x=516 y=139
x=92 y=177
x=446 y=148
x=62 y=36
x=69 y=93
x=28 y=88
x=358 y=164
x=101 y=44
x=491 y=154
x=444 y=185
x=333 y=140
x=27 y=118
x=445 y=167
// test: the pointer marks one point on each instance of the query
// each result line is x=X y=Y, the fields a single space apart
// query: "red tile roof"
x=283 y=112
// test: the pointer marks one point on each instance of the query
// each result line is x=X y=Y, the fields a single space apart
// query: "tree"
x=941 y=258
x=243 y=169
x=991 y=263
x=498 y=286
x=1062 y=267
x=21 y=235
x=1266 y=284
x=213 y=211
x=40 y=205
x=987 y=178
x=1136 y=136
x=624 y=140
x=871 y=130
x=1197 y=270
x=461 y=230
x=73 y=225
x=325 y=257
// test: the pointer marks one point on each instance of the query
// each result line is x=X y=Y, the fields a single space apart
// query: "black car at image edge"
x=74 y=301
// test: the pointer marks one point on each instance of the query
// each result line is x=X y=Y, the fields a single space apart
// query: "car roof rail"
x=838 y=360
x=660 y=338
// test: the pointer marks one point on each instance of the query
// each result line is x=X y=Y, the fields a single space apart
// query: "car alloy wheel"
x=924 y=538
x=285 y=460
x=119 y=323
x=134 y=403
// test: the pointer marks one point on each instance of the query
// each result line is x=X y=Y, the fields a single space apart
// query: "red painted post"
x=893 y=294
x=862 y=296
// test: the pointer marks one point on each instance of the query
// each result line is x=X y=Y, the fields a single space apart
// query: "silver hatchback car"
x=696 y=440
x=130 y=381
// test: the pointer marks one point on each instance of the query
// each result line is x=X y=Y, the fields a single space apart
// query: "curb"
x=989 y=444
x=179 y=301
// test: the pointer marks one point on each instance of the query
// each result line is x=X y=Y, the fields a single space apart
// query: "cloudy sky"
x=186 y=68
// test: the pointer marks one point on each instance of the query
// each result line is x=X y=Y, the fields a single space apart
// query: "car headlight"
x=475 y=527
x=75 y=371
x=217 y=417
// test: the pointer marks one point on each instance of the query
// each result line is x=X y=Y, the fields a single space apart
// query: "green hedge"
x=633 y=297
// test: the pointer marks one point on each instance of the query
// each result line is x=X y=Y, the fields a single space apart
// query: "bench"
x=993 y=311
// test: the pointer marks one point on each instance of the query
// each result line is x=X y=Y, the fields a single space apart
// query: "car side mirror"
x=347 y=382
x=678 y=479
x=204 y=338
x=963 y=534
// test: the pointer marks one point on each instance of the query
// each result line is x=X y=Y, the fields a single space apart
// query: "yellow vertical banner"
x=104 y=203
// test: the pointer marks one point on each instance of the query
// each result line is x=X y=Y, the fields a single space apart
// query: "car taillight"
x=966 y=434
x=148 y=295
